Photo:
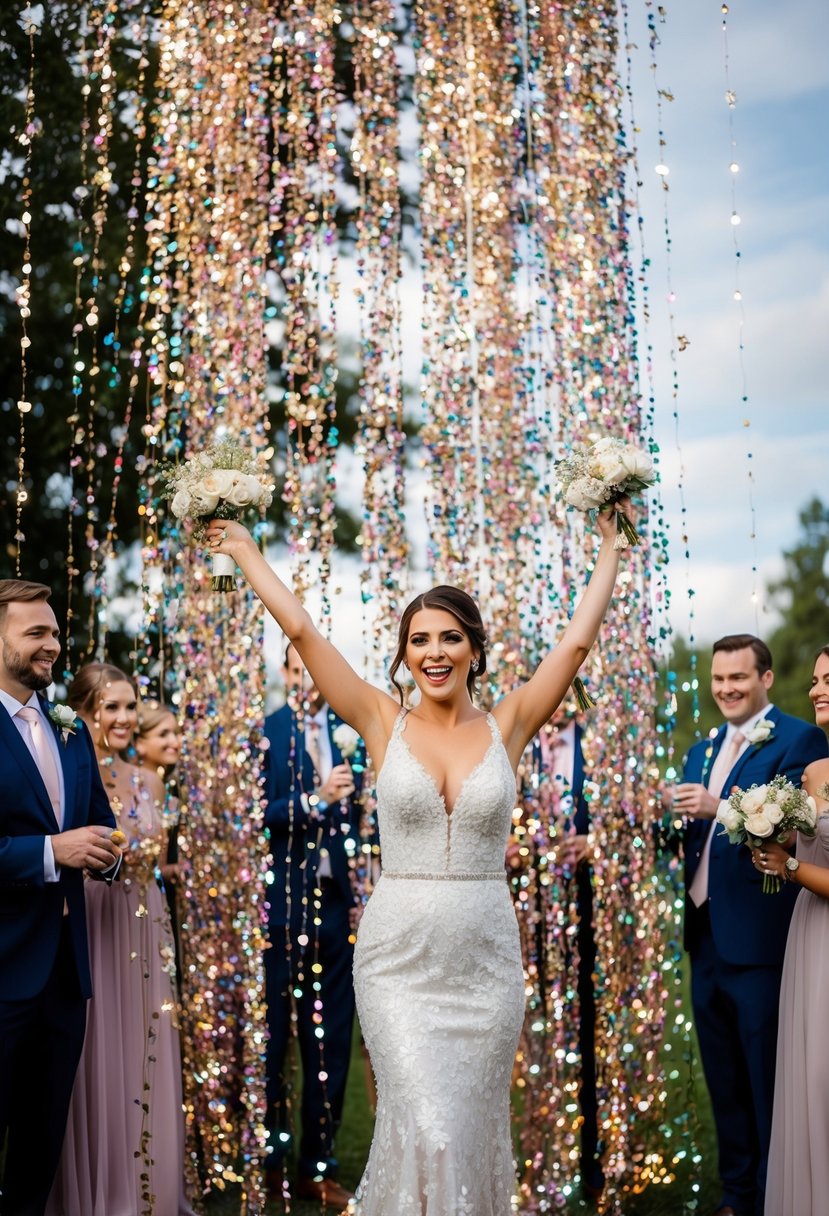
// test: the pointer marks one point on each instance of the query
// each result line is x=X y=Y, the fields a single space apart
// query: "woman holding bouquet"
x=437 y=969
x=126 y=1117
x=798 y=1177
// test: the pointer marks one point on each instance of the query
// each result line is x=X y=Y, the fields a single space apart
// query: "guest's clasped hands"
x=87 y=848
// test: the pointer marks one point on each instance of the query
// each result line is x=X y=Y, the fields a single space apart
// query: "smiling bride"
x=437 y=967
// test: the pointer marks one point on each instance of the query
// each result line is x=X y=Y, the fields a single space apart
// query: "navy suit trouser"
x=40 y=1045
x=736 y=1012
x=288 y=971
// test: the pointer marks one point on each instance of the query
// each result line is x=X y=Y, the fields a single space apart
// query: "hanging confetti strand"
x=736 y=220
x=577 y=247
x=381 y=437
x=304 y=236
x=23 y=293
x=678 y=342
x=678 y=1040
x=475 y=437
x=207 y=232
x=124 y=305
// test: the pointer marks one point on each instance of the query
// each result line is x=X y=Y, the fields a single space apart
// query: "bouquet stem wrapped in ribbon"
x=598 y=476
x=223 y=482
x=767 y=812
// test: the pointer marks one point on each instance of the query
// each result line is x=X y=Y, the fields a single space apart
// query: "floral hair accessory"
x=65 y=719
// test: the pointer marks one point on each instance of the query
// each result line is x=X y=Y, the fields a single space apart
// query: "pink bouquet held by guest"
x=765 y=812
x=601 y=474
x=223 y=482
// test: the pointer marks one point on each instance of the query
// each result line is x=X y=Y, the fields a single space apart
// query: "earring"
x=474 y=665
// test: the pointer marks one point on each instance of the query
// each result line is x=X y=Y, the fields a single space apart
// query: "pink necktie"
x=313 y=746
x=45 y=760
x=725 y=761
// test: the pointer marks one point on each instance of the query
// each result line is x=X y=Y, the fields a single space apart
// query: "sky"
x=778 y=68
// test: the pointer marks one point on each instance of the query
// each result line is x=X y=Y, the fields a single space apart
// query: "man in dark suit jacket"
x=312 y=817
x=735 y=935
x=558 y=756
x=55 y=822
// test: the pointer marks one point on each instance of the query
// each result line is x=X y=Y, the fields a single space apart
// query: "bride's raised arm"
x=368 y=709
x=524 y=711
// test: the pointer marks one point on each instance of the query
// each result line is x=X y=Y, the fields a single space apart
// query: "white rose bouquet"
x=599 y=475
x=767 y=811
x=223 y=482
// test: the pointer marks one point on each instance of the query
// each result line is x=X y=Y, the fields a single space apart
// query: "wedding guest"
x=735 y=972
x=158 y=747
x=438 y=973
x=553 y=790
x=312 y=816
x=124 y=1146
x=798 y=1180
x=55 y=822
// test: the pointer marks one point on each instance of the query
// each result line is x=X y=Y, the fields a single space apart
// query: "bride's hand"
x=606 y=521
x=228 y=536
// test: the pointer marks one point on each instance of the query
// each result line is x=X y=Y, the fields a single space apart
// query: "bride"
x=437 y=967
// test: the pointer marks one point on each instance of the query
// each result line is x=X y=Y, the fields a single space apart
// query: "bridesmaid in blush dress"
x=118 y=1158
x=798 y=1177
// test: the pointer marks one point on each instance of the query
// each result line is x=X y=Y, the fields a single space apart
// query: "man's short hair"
x=747 y=641
x=19 y=590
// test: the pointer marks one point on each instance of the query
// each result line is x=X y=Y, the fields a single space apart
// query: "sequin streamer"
x=477 y=432
x=381 y=437
x=208 y=237
x=23 y=292
x=304 y=237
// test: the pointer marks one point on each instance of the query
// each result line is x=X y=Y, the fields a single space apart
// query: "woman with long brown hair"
x=437 y=968
x=124 y=1149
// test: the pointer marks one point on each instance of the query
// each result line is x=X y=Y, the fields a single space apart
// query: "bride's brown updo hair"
x=465 y=611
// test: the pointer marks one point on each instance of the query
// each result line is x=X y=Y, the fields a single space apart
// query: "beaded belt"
x=483 y=876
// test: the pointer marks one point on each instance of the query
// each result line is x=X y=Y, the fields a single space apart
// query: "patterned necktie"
x=44 y=758
x=725 y=761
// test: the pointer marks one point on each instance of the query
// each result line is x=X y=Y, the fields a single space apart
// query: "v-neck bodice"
x=418 y=833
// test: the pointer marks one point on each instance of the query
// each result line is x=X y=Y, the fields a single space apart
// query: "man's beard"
x=23 y=671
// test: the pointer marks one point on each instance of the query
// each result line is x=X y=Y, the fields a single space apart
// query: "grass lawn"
x=355 y=1136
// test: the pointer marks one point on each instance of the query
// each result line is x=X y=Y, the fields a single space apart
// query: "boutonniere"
x=64 y=719
x=760 y=732
x=346 y=739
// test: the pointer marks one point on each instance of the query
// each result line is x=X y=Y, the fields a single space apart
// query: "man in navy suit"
x=558 y=758
x=735 y=935
x=55 y=822
x=313 y=820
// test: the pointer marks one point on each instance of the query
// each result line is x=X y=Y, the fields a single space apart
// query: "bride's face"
x=819 y=692
x=438 y=654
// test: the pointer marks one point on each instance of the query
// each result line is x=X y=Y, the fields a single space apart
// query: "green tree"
x=802 y=596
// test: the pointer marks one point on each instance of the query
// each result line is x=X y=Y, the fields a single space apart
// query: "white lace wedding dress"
x=440 y=992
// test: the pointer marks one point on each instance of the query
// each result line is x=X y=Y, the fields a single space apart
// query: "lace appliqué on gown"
x=440 y=992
